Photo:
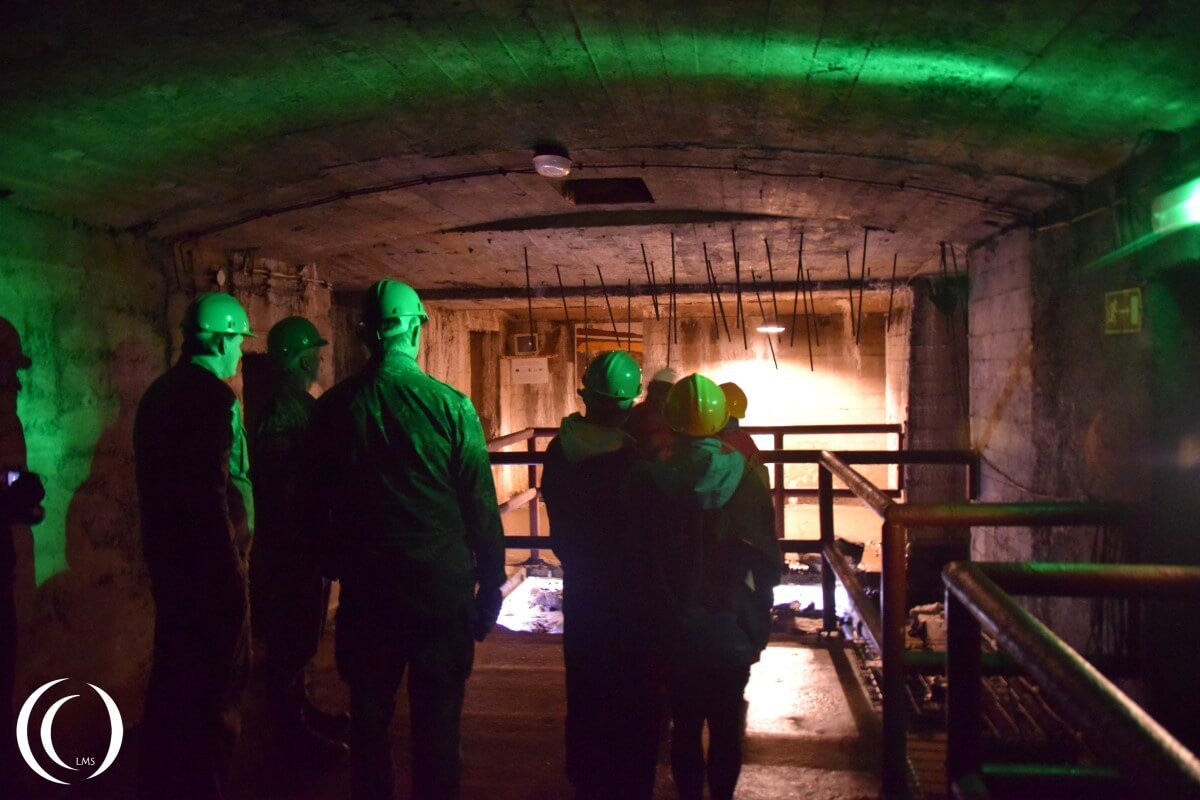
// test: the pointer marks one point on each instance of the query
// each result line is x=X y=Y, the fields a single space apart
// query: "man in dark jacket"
x=716 y=560
x=612 y=686
x=197 y=516
x=287 y=594
x=399 y=477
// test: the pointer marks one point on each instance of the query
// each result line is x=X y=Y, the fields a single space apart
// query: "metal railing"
x=979 y=598
x=531 y=458
x=885 y=627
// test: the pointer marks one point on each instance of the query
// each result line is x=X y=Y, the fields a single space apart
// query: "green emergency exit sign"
x=1123 y=311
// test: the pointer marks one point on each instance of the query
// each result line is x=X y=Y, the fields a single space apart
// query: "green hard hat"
x=696 y=407
x=216 y=312
x=392 y=301
x=614 y=374
x=292 y=336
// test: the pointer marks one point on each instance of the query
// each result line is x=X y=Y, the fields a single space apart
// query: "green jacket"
x=397 y=479
x=710 y=529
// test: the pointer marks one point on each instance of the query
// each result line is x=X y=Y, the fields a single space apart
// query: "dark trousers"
x=715 y=697
x=373 y=653
x=8 y=662
x=613 y=713
x=191 y=721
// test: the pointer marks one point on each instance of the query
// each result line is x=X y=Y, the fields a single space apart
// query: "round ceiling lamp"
x=552 y=165
x=770 y=326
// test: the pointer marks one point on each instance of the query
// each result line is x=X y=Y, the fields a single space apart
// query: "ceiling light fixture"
x=1177 y=208
x=770 y=327
x=552 y=165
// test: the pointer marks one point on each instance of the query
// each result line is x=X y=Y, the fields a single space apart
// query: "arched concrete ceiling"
x=306 y=129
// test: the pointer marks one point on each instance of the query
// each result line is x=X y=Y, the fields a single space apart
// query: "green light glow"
x=1177 y=208
x=134 y=125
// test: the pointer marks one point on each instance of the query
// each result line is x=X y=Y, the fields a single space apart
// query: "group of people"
x=660 y=514
x=662 y=517
x=383 y=484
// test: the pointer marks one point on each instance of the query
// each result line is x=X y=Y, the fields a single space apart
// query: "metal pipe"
x=712 y=297
x=1094 y=580
x=717 y=290
x=535 y=555
x=964 y=671
x=891 y=292
x=494 y=445
x=528 y=292
x=858 y=596
x=848 y=457
x=812 y=301
x=762 y=311
x=771 y=275
x=780 y=527
x=866 y=491
x=862 y=276
x=741 y=312
x=1006 y=514
x=517 y=501
x=628 y=316
x=893 y=609
x=566 y=313
x=650 y=281
x=828 y=577
x=611 y=317
x=675 y=315
x=850 y=293
x=587 y=339
x=796 y=295
x=1130 y=738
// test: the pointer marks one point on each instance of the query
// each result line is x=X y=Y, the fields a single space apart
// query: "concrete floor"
x=810 y=733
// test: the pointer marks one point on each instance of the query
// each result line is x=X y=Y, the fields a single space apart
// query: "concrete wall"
x=98 y=314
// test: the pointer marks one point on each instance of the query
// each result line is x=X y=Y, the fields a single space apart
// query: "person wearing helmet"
x=646 y=423
x=711 y=537
x=612 y=691
x=732 y=434
x=398 y=483
x=197 y=515
x=287 y=594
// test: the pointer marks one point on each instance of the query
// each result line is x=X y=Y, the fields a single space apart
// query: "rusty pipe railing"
x=978 y=599
x=896 y=518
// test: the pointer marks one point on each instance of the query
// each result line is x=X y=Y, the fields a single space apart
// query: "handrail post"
x=893 y=601
x=535 y=554
x=828 y=578
x=900 y=467
x=963 y=695
x=780 y=528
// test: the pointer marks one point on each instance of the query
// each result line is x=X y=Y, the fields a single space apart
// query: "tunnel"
x=950 y=252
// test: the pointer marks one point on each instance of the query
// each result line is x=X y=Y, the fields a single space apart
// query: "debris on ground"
x=534 y=606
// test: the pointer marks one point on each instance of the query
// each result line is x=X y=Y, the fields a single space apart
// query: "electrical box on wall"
x=529 y=370
x=525 y=344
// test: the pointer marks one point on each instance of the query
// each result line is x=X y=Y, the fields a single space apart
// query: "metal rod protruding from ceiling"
x=763 y=312
x=712 y=297
x=528 y=292
x=891 y=293
x=737 y=280
x=771 y=273
x=611 y=317
x=850 y=292
x=587 y=337
x=563 y=293
x=712 y=271
x=674 y=301
x=650 y=281
x=812 y=301
x=862 y=277
x=629 y=315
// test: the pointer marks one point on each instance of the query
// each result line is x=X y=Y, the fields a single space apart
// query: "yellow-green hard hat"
x=735 y=400
x=696 y=407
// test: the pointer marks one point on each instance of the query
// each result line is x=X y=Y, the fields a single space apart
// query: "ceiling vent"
x=606 y=191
